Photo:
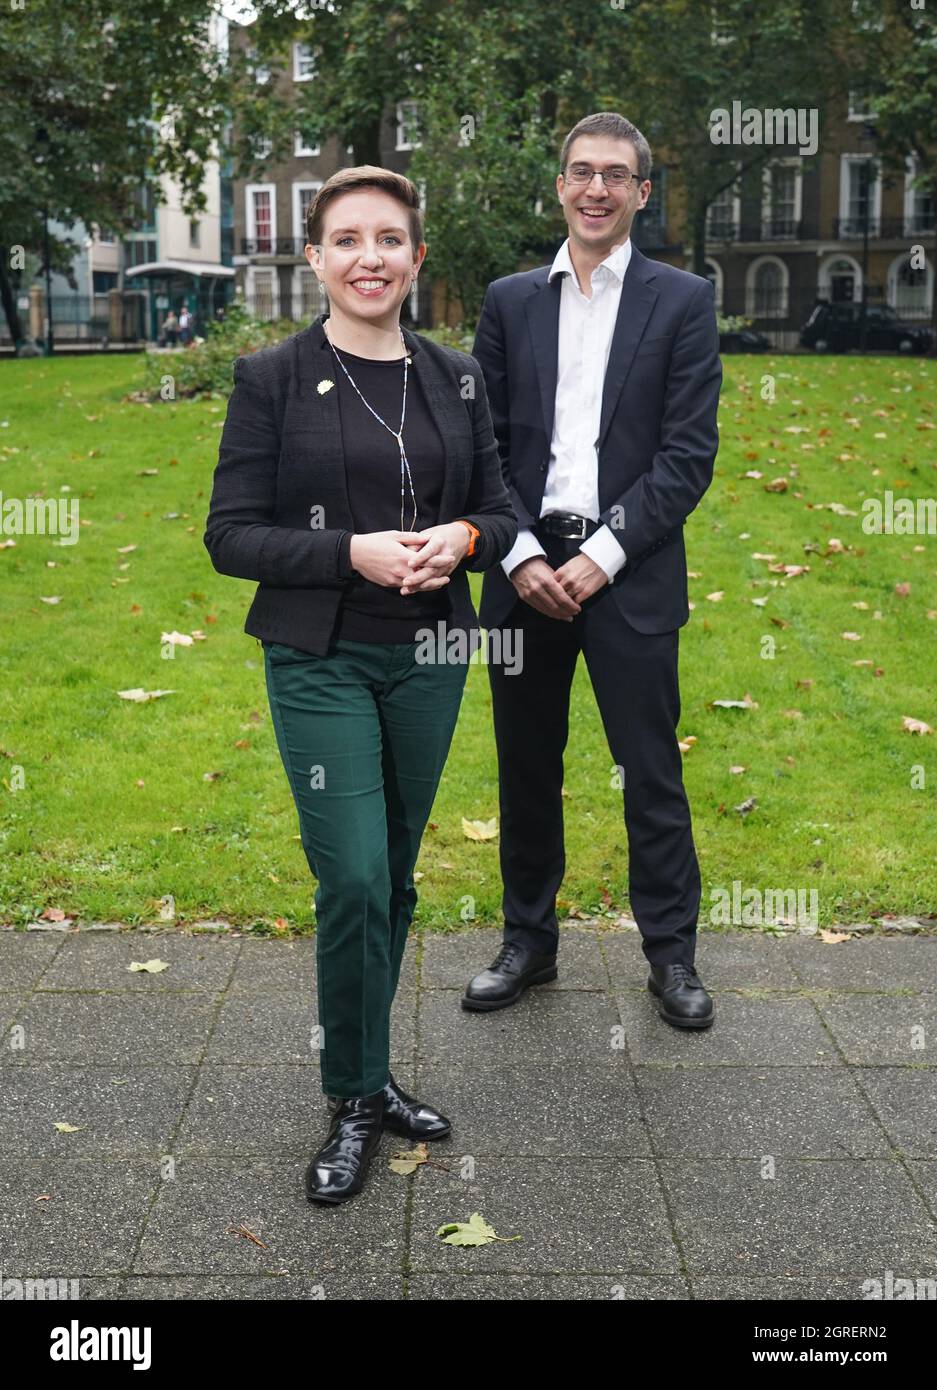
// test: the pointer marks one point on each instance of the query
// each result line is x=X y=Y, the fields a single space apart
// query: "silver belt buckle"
x=568 y=520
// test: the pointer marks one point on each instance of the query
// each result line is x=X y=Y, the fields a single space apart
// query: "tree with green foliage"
x=489 y=82
x=691 y=59
x=86 y=92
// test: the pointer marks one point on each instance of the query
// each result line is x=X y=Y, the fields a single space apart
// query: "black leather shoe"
x=512 y=971
x=681 y=998
x=340 y=1167
x=404 y=1115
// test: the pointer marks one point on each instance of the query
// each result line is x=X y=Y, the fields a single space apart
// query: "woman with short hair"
x=358 y=478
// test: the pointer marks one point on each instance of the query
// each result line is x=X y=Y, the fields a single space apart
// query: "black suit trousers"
x=635 y=680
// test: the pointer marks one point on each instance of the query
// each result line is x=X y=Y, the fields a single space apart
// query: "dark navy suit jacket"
x=658 y=437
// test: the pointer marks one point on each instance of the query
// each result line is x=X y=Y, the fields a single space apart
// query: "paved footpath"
x=790 y=1151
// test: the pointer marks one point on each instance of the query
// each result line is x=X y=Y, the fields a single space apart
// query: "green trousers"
x=364 y=733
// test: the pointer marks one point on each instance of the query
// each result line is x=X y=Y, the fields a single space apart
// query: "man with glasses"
x=603 y=378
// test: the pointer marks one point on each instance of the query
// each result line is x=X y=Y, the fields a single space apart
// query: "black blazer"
x=280 y=460
x=658 y=437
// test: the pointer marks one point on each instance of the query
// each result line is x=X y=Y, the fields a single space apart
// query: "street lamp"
x=867 y=133
x=42 y=141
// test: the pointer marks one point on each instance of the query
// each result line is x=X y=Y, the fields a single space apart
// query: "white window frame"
x=252 y=271
x=299 y=229
x=736 y=195
x=824 y=284
x=852 y=113
x=750 y=276
x=402 y=124
x=716 y=35
x=296 y=287
x=261 y=70
x=797 y=163
x=250 y=221
x=300 y=150
x=875 y=214
x=870 y=23
x=911 y=195
x=299 y=58
x=891 y=282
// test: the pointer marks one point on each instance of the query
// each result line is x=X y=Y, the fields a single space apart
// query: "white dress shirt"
x=585 y=339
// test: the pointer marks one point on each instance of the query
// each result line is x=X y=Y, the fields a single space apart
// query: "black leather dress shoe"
x=681 y=998
x=512 y=971
x=404 y=1115
x=340 y=1167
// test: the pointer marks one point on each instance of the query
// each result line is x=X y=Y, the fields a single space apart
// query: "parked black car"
x=744 y=340
x=838 y=327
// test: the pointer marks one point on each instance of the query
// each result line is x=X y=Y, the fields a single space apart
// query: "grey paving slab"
x=11 y=1008
x=753 y=1289
x=79 y=1288
x=23 y=958
x=746 y=1112
x=779 y=1031
x=736 y=960
x=905 y=1100
x=833 y=1217
x=604 y=1216
x=113 y=1029
x=116 y=1113
x=278 y=1027
x=880 y=1030
x=633 y=1158
x=350 y=1285
x=543 y=1023
x=570 y=1107
x=91 y=961
x=61 y=1217
x=265 y=967
x=925 y=1173
x=188 y=1231
x=449 y=962
x=878 y=964
x=547 y=1287
x=258 y=1109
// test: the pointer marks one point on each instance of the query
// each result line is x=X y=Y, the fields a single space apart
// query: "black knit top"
x=370 y=612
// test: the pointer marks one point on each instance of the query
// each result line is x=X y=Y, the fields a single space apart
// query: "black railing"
x=882 y=228
x=761 y=229
x=649 y=235
x=273 y=246
x=844 y=229
x=775 y=229
x=722 y=229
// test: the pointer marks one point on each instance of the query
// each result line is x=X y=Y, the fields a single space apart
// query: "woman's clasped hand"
x=411 y=561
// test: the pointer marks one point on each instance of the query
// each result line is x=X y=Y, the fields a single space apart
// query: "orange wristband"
x=474 y=533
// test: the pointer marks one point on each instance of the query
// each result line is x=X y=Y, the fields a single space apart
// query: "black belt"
x=567 y=524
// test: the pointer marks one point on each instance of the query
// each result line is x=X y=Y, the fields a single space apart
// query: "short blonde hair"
x=365 y=176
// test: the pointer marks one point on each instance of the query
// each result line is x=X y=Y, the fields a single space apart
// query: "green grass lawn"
x=116 y=812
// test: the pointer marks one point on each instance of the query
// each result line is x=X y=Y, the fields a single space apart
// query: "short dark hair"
x=611 y=123
x=365 y=176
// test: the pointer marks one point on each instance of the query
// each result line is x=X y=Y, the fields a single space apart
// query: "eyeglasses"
x=612 y=178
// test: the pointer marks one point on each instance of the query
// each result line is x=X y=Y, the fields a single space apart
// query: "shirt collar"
x=617 y=262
